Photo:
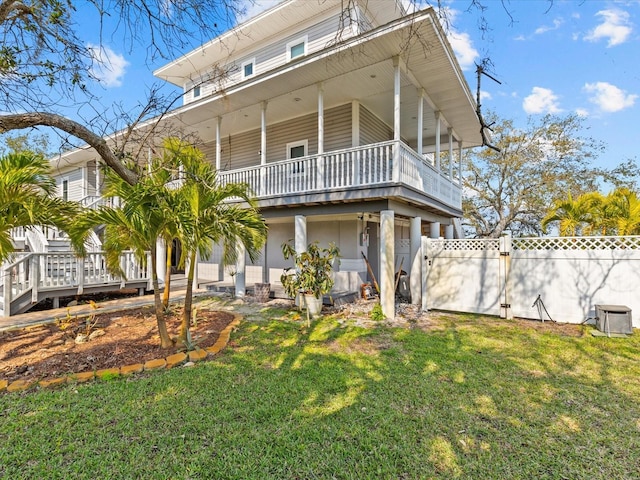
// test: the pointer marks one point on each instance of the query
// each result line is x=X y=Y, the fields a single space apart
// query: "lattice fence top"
x=577 y=243
x=474 y=244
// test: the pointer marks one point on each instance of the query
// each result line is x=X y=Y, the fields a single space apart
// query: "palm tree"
x=206 y=218
x=27 y=199
x=623 y=210
x=142 y=218
x=574 y=217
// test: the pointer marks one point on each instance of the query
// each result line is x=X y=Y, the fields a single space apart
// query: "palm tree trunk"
x=165 y=341
x=184 y=337
x=167 y=277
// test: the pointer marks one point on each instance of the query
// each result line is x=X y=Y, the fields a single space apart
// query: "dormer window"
x=196 y=91
x=248 y=68
x=297 y=48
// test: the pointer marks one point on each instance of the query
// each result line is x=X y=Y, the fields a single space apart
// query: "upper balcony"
x=381 y=170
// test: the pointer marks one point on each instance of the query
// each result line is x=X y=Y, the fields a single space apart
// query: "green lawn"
x=476 y=398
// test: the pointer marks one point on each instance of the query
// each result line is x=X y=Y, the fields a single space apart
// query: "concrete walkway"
x=43 y=317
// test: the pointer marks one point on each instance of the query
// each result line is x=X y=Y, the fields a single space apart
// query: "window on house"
x=247 y=68
x=65 y=189
x=297 y=48
x=297 y=150
x=196 y=91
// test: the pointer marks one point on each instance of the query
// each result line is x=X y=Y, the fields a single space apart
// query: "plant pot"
x=313 y=305
x=261 y=292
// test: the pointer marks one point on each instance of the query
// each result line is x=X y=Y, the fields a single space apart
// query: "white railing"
x=41 y=272
x=370 y=165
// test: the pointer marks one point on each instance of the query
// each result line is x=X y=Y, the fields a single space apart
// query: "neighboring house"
x=347 y=124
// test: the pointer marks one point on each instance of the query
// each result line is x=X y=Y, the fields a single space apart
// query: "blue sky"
x=560 y=57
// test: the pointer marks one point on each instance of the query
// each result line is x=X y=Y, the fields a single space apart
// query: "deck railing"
x=40 y=272
x=370 y=165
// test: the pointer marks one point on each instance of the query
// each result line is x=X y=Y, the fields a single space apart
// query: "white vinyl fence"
x=505 y=276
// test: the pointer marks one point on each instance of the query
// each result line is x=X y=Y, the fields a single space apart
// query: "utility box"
x=614 y=319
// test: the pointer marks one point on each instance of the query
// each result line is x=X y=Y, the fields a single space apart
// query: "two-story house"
x=347 y=119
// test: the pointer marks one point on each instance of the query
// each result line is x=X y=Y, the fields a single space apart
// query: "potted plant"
x=312 y=277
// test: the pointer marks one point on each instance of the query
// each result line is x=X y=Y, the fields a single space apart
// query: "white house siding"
x=243 y=149
x=272 y=55
x=76 y=184
x=372 y=129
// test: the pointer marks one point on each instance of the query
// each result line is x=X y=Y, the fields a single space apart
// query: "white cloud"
x=463 y=48
x=582 y=112
x=615 y=27
x=485 y=95
x=609 y=98
x=541 y=100
x=557 y=23
x=109 y=67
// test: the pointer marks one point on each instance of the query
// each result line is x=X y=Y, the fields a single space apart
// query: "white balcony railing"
x=377 y=164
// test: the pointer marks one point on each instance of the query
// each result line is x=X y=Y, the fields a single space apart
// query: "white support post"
x=434 y=230
x=263 y=134
x=218 y=143
x=396 y=119
x=80 y=276
x=448 y=232
x=437 y=154
x=387 y=258
x=460 y=163
x=415 y=279
x=240 y=279
x=319 y=160
x=420 y=120
x=505 y=277
x=161 y=260
x=300 y=235
x=450 y=132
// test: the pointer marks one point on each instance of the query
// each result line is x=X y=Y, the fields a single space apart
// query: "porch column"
x=319 y=162
x=437 y=159
x=420 y=119
x=355 y=123
x=263 y=134
x=448 y=232
x=300 y=235
x=396 y=119
x=240 y=280
x=460 y=163
x=415 y=276
x=320 y=118
x=434 y=231
x=218 y=143
x=161 y=260
x=450 y=132
x=387 y=256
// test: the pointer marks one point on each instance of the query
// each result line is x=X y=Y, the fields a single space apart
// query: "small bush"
x=376 y=313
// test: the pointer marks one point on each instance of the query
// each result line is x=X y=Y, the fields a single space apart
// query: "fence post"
x=505 y=277
x=6 y=293
x=425 y=255
x=34 y=265
x=80 y=276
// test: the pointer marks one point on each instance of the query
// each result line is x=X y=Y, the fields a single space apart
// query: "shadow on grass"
x=477 y=399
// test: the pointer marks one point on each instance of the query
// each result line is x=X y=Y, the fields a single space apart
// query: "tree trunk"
x=167 y=277
x=165 y=341
x=185 y=336
x=33 y=119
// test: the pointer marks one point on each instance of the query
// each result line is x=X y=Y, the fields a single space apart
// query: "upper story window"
x=196 y=91
x=248 y=68
x=297 y=48
x=65 y=189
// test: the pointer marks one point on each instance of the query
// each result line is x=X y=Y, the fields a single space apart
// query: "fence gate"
x=505 y=276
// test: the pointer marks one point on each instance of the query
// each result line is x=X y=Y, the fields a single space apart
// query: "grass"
x=476 y=398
